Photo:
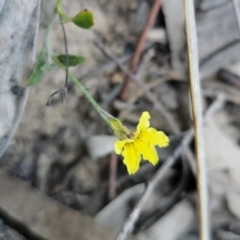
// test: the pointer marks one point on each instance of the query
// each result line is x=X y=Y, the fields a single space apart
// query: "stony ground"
x=54 y=148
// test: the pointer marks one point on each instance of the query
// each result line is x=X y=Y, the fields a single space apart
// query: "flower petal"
x=119 y=145
x=148 y=152
x=143 y=121
x=131 y=158
x=154 y=137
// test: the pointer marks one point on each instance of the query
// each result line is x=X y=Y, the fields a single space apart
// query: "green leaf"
x=84 y=19
x=73 y=60
x=37 y=74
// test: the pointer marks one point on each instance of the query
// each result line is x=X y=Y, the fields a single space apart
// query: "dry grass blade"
x=195 y=90
x=237 y=14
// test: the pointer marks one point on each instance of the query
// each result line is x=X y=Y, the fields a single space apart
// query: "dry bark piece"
x=18 y=39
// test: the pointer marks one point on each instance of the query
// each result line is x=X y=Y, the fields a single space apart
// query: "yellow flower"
x=140 y=143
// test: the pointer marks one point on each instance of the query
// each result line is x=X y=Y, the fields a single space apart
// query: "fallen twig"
x=140 y=46
x=195 y=90
x=130 y=223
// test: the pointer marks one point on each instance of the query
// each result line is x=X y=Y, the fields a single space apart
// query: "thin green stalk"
x=67 y=57
x=84 y=91
x=47 y=41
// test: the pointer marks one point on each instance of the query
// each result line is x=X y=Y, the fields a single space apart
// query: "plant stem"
x=67 y=57
x=195 y=90
x=47 y=42
x=84 y=91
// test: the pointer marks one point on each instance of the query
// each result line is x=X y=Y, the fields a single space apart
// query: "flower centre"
x=130 y=135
